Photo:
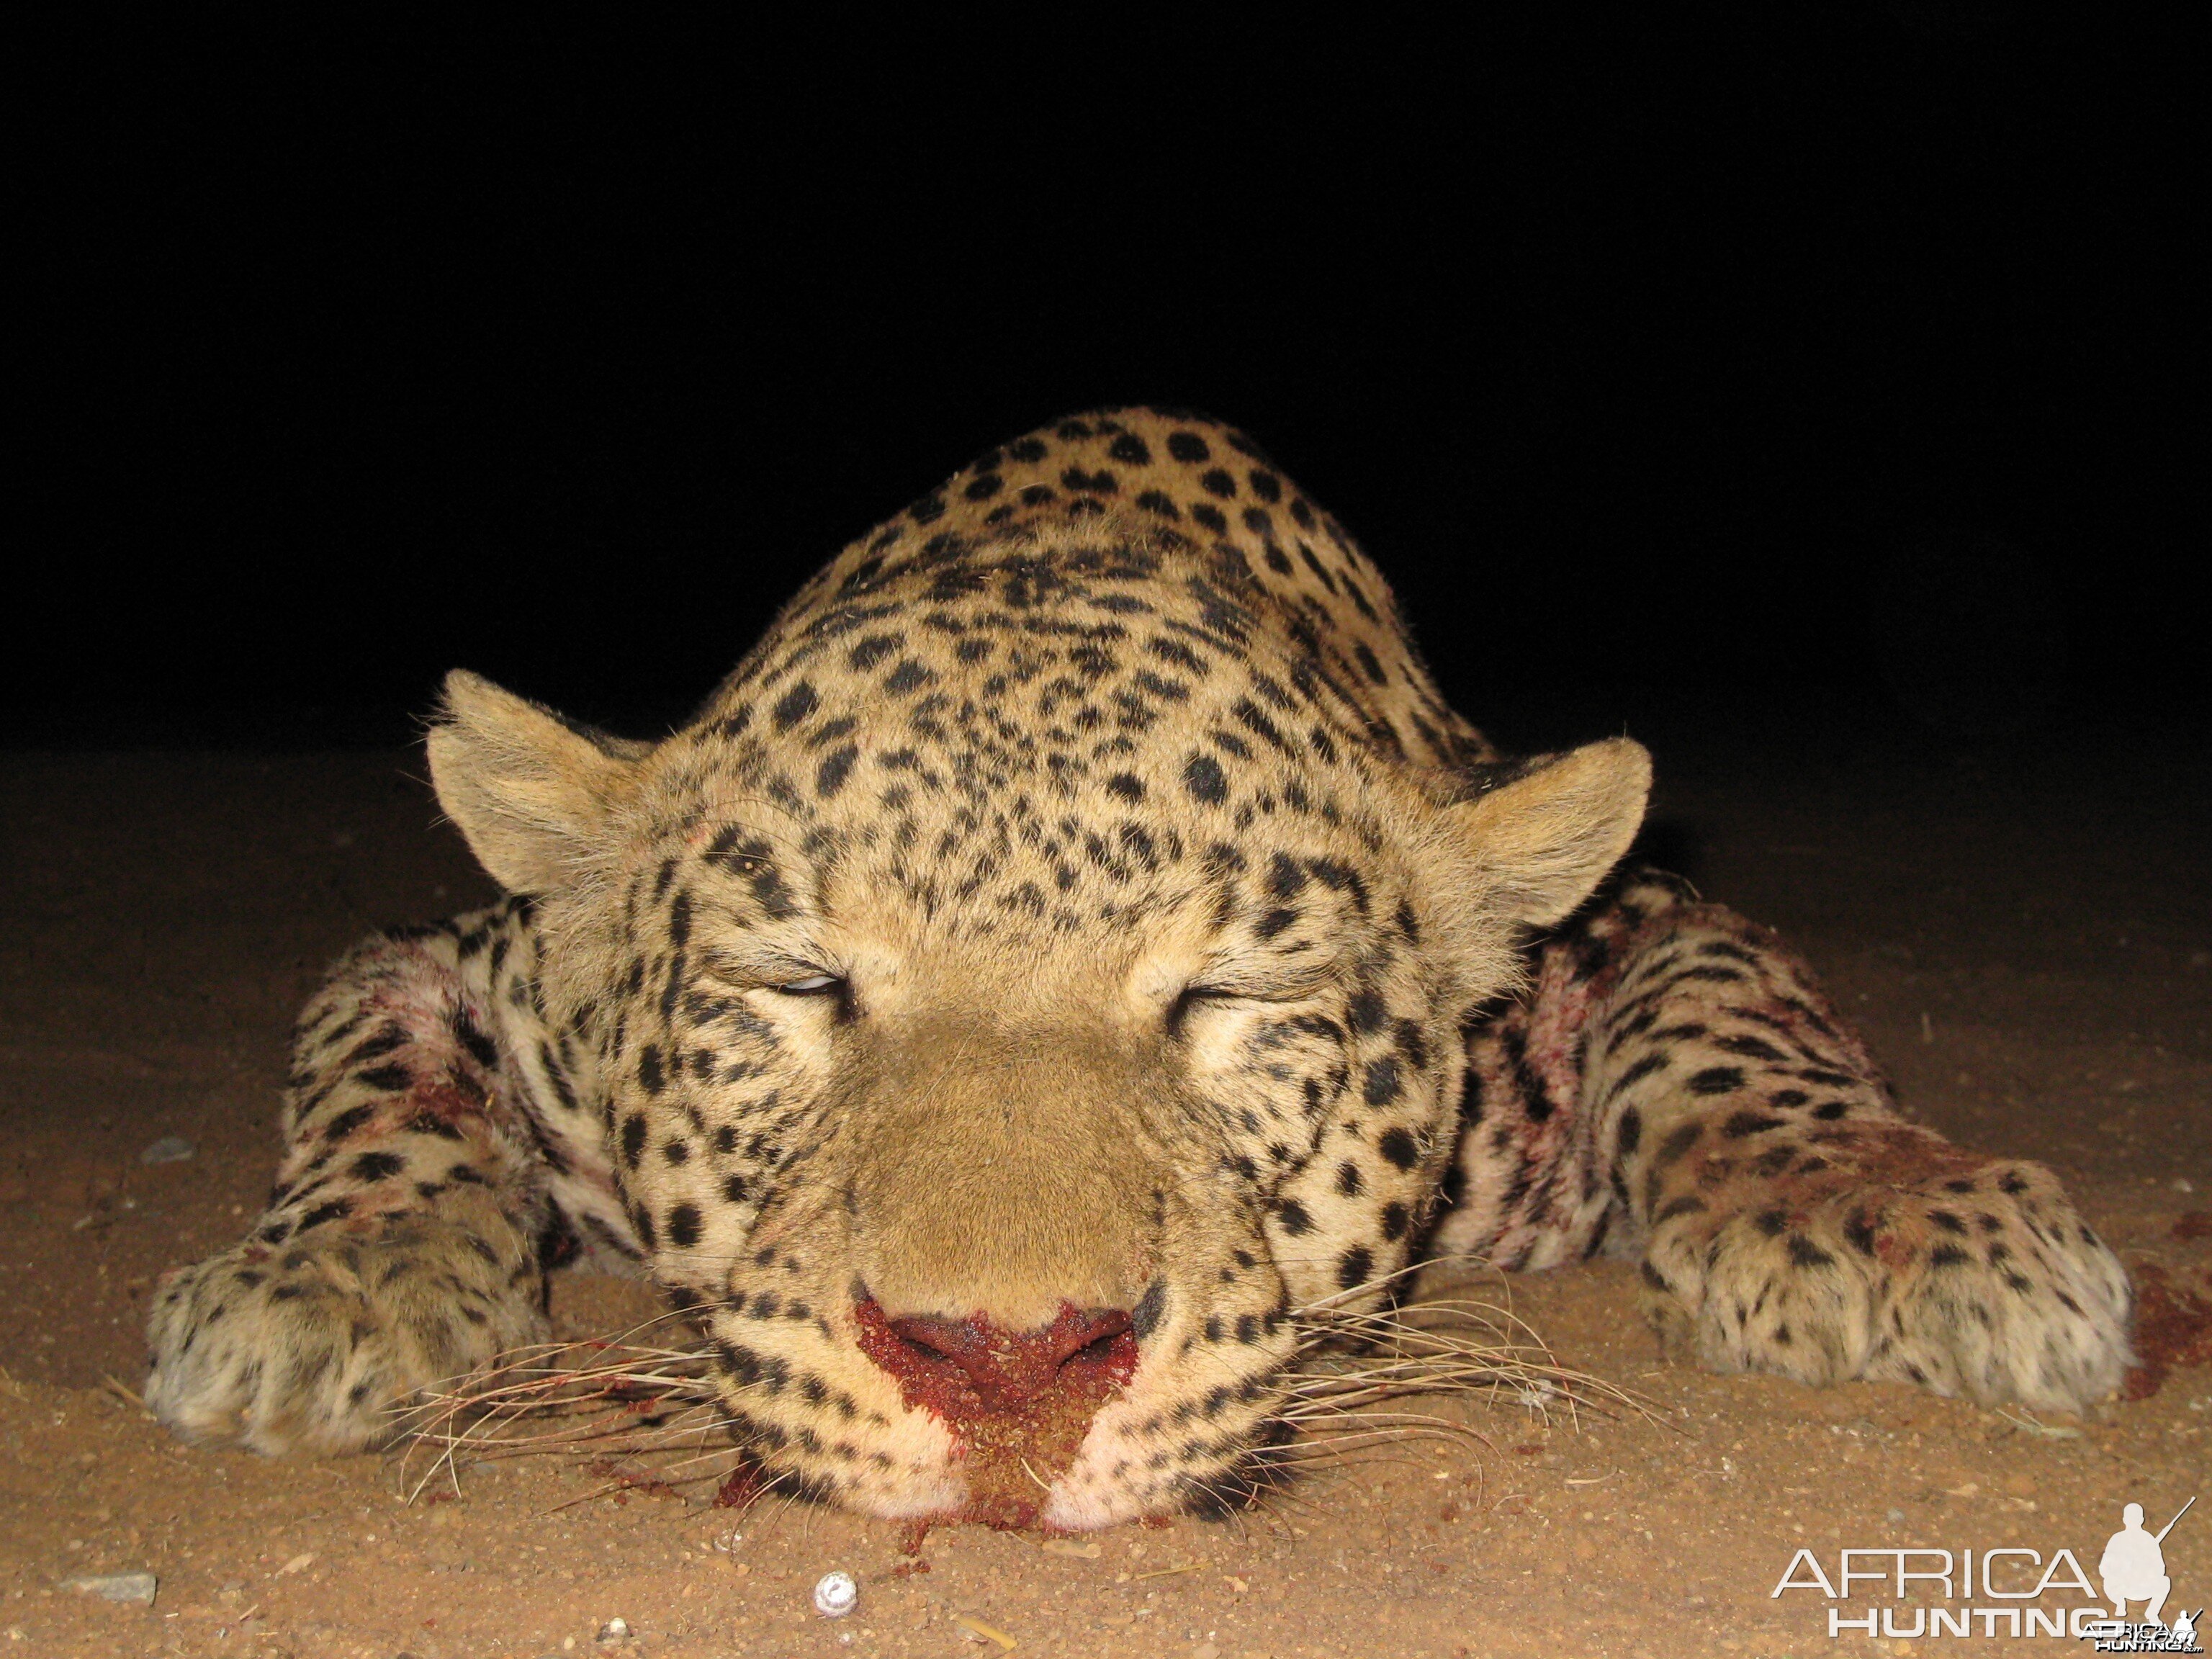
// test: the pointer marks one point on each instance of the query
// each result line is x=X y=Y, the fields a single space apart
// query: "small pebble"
x=117 y=1586
x=1897 y=1515
x=614 y=1630
x=169 y=1149
x=836 y=1594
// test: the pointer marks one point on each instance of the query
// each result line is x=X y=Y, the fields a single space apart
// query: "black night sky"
x=1848 y=361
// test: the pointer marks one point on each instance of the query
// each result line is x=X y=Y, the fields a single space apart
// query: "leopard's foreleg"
x=1679 y=1085
x=402 y=1243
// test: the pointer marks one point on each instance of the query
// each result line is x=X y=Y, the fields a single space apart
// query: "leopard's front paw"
x=1911 y=1262
x=307 y=1347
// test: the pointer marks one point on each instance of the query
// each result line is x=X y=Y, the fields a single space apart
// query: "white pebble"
x=836 y=1595
x=614 y=1630
x=169 y=1149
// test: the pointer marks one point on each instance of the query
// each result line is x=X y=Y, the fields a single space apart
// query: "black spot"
x=1947 y=1255
x=1947 y=1221
x=1127 y=786
x=1804 y=1253
x=1740 y=1124
x=650 y=1077
x=1396 y=1219
x=1642 y=1069
x=1381 y=1085
x=1202 y=776
x=1188 y=446
x=1355 y=1268
x=903 y=678
x=1144 y=1317
x=683 y=1226
x=1750 y=1048
x=1292 y=1215
x=1631 y=1133
x=795 y=705
x=1131 y=448
x=1348 y=1179
x=1772 y=1223
x=1399 y=1146
x=1716 y=1080
x=377 y=1166
x=480 y=1046
x=632 y=1138
x=835 y=766
x=872 y=650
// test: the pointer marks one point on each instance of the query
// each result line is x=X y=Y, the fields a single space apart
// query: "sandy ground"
x=2023 y=933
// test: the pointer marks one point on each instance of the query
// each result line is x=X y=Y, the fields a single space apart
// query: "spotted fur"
x=1081 y=898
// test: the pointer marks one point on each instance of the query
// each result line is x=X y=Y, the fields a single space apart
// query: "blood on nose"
x=1007 y=1369
x=1018 y=1402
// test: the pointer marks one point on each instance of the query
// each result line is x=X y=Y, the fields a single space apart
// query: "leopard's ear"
x=1541 y=833
x=531 y=791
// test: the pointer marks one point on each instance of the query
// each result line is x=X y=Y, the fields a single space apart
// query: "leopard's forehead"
x=1104 y=665
x=1080 y=570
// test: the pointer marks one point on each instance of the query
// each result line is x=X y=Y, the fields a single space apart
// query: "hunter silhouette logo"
x=2133 y=1568
x=2134 y=1564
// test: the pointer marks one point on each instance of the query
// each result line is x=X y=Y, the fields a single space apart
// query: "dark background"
x=1844 y=365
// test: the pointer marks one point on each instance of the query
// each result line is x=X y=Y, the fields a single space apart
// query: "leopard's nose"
x=1085 y=1353
x=1018 y=1403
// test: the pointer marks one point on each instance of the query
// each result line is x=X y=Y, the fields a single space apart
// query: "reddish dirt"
x=2024 y=939
x=2173 y=1327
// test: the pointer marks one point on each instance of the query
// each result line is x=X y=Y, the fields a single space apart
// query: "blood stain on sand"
x=2173 y=1327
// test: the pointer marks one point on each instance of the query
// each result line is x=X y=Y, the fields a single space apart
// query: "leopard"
x=1075 y=942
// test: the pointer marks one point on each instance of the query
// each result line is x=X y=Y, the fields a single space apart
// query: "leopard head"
x=1022 y=989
